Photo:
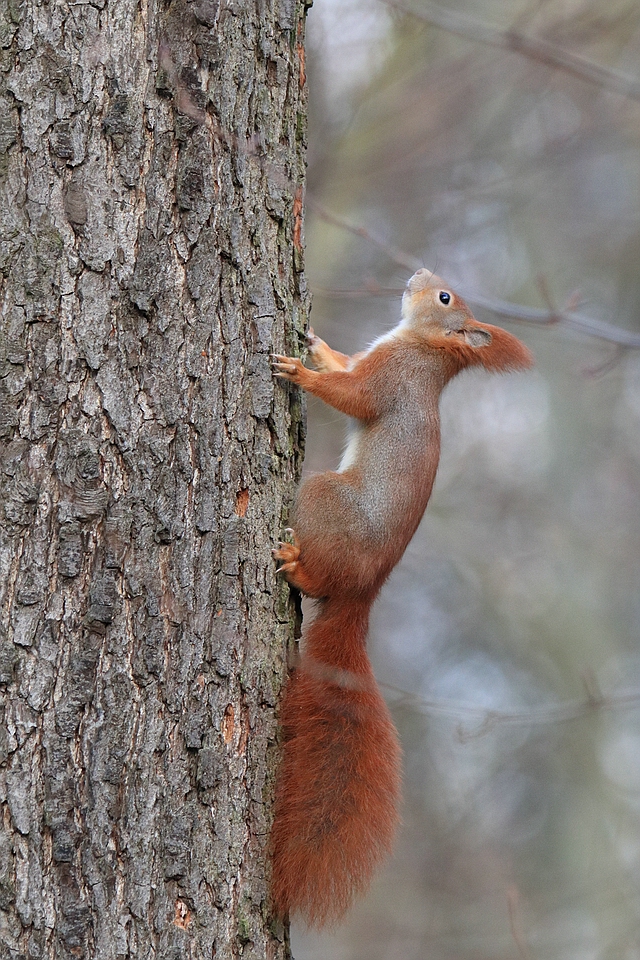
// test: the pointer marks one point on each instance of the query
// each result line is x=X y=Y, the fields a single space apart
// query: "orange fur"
x=338 y=787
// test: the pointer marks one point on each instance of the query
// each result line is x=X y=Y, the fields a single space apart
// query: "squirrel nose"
x=417 y=281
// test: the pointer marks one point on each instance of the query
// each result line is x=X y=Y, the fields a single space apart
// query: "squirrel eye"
x=444 y=297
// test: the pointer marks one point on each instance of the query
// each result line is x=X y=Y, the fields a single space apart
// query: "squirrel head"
x=432 y=310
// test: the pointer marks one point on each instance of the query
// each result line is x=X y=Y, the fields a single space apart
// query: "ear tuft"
x=476 y=337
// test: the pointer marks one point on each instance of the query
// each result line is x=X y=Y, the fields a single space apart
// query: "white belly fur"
x=350 y=454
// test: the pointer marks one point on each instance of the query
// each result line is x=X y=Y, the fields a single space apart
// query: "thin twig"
x=534 y=48
x=600 y=369
x=513 y=905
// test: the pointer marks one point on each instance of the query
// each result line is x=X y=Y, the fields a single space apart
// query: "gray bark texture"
x=151 y=176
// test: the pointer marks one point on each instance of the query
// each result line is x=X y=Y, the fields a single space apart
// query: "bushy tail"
x=338 y=787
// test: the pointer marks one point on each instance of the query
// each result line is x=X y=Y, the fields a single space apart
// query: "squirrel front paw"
x=317 y=349
x=287 y=368
x=311 y=340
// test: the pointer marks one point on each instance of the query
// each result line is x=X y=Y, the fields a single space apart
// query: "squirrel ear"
x=476 y=337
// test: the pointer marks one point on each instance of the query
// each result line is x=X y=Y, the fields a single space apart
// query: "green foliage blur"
x=508 y=637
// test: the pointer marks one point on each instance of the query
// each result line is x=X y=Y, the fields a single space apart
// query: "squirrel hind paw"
x=289 y=554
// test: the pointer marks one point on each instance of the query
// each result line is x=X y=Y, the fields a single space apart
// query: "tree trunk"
x=151 y=166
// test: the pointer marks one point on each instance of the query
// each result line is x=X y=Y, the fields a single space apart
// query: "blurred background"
x=498 y=144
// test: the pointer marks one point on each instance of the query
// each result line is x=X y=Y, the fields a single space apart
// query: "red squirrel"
x=338 y=787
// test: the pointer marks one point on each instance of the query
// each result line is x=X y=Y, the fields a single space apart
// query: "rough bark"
x=151 y=169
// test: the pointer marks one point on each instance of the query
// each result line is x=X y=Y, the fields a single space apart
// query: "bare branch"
x=538 y=716
x=370 y=288
x=567 y=318
x=394 y=253
x=532 y=47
